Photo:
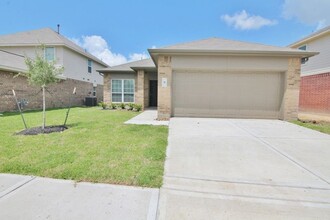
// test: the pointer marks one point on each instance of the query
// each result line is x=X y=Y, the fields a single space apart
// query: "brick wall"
x=164 y=93
x=289 y=108
x=315 y=93
x=58 y=95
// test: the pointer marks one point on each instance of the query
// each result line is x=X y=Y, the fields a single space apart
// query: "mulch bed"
x=39 y=130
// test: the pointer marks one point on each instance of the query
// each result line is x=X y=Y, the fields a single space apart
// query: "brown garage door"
x=223 y=94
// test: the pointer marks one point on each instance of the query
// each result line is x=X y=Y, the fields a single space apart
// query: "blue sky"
x=120 y=31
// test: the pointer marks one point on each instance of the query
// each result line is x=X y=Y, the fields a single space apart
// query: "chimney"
x=58 y=29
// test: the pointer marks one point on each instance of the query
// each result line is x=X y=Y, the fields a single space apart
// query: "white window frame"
x=91 y=66
x=54 y=53
x=304 y=60
x=94 y=91
x=122 y=90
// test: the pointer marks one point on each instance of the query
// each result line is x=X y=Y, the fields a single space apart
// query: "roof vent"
x=58 y=29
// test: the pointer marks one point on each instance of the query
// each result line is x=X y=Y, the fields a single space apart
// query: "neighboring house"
x=211 y=78
x=315 y=74
x=79 y=69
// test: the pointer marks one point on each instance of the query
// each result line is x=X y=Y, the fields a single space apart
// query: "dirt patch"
x=39 y=130
x=314 y=117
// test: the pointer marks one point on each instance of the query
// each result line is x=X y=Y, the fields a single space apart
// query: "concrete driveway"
x=245 y=169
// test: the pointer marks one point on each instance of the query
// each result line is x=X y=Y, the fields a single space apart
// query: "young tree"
x=42 y=73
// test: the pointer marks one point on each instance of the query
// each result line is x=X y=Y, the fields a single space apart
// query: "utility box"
x=90 y=101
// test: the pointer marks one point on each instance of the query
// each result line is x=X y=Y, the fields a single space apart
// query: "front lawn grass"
x=321 y=126
x=97 y=147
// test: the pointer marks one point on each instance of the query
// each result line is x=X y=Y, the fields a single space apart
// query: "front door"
x=153 y=93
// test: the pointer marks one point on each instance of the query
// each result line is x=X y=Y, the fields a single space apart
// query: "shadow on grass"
x=72 y=125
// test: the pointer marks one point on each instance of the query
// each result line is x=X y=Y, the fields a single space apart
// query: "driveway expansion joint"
x=247 y=196
x=16 y=187
x=244 y=182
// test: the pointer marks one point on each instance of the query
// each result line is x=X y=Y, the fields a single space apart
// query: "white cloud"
x=309 y=12
x=97 y=46
x=244 y=21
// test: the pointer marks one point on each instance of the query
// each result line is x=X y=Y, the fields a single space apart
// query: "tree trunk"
x=43 y=108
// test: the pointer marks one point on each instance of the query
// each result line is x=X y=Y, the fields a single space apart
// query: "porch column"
x=290 y=103
x=107 y=88
x=140 y=93
x=146 y=90
x=164 y=87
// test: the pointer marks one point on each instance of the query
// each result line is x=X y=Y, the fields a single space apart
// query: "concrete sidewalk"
x=245 y=169
x=147 y=117
x=26 y=197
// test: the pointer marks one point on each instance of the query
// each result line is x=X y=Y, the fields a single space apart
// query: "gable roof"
x=131 y=66
x=44 y=36
x=218 y=46
x=310 y=37
x=228 y=47
x=12 y=62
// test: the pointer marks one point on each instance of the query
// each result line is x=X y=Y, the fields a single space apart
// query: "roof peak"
x=318 y=33
x=220 y=40
x=217 y=43
x=45 y=36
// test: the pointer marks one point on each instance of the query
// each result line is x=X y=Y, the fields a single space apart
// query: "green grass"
x=322 y=126
x=97 y=147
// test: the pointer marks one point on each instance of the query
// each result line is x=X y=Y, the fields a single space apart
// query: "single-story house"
x=315 y=74
x=214 y=77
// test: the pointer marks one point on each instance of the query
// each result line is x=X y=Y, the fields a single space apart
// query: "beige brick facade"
x=146 y=90
x=140 y=91
x=58 y=95
x=107 y=88
x=164 y=93
x=289 y=109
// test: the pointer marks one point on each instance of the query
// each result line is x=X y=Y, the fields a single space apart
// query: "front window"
x=50 y=54
x=89 y=66
x=122 y=90
x=305 y=59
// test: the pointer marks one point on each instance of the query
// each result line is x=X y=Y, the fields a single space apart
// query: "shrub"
x=137 y=107
x=122 y=105
x=104 y=105
x=129 y=106
x=112 y=106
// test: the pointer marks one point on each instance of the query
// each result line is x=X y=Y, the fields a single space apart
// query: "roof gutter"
x=143 y=68
x=114 y=71
x=90 y=56
x=232 y=52
x=12 y=69
x=301 y=54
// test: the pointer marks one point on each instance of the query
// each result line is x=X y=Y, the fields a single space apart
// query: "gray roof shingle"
x=12 y=62
x=220 y=45
x=44 y=36
x=128 y=67
x=212 y=45
x=307 y=38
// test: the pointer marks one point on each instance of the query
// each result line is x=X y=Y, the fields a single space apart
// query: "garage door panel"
x=244 y=95
x=234 y=113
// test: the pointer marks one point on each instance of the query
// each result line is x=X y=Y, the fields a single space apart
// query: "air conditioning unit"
x=90 y=101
